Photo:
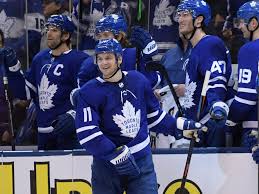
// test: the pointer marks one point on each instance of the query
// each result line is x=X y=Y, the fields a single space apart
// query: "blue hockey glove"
x=249 y=139
x=144 y=41
x=10 y=60
x=255 y=154
x=191 y=129
x=64 y=124
x=219 y=113
x=124 y=162
x=73 y=96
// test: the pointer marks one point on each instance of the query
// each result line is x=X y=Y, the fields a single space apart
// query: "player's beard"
x=54 y=44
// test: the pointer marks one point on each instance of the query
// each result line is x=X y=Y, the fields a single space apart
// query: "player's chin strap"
x=252 y=31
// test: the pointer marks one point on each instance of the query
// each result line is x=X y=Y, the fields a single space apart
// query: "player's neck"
x=117 y=77
x=199 y=34
x=256 y=35
x=61 y=49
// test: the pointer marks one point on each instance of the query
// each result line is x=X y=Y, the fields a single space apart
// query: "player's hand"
x=144 y=41
x=191 y=128
x=64 y=124
x=250 y=139
x=180 y=90
x=10 y=59
x=124 y=162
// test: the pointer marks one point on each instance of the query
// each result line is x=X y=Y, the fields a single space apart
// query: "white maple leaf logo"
x=93 y=18
x=129 y=122
x=6 y=23
x=190 y=88
x=162 y=14
x=46 y=93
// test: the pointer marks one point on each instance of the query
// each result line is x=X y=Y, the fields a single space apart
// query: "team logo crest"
x=129 y=121
x=12 y=27
x=46 y=93
x=190 y=88
x=162 y=15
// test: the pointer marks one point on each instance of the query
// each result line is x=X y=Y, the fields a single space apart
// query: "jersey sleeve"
x=158 y=120
x=216 y=59
x=246 y=97
x=88 y=131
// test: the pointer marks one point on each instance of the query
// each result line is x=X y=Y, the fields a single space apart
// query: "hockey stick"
x=9 y=106
x=182 y=190
x=154 y=66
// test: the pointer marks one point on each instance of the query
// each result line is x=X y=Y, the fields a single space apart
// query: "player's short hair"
x=108 y=46
x=63 y=22
x=248 y=11
x=113 y=23
x=196 y=8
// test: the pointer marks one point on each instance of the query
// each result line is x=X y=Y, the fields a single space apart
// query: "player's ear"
x=119 y=60
x=198 y=21
x=254 y=23
x=65 y=36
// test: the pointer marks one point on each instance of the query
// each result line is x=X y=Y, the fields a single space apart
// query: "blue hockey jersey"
x=244 y=106
x=209 y=54
x=89 y=69
x=113 y=114
x=50 y=81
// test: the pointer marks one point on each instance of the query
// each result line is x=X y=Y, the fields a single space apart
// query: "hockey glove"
x=124 y=162
x=249 y=139
x=219 y=113
x=64 y=125
x=10 y=60
x=191 y=128
x=255 y=154
x=143 y=41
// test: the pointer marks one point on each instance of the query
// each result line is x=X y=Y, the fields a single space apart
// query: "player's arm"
x=161 y=122
x=97 y=144
x=246 y=97
x=216 y=59
x=89 y=134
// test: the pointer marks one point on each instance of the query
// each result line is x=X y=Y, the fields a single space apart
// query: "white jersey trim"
x=244 y=101
x=217 y=86
x=157 y=121
x=86 y=128
x=150 y=115
x=30 y=85
x=217 y=79
x=247 y=90
x=90 y=137
x=140 y=146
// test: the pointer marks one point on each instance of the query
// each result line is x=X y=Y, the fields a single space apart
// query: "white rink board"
x=213 y=173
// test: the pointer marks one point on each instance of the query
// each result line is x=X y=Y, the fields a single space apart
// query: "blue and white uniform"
x=243 y=109
x=114 y=114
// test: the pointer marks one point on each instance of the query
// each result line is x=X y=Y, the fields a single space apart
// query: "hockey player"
x=52 y=76
x=208 y=53
x=111 y=121
x=114 y=26
x=243 y=109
